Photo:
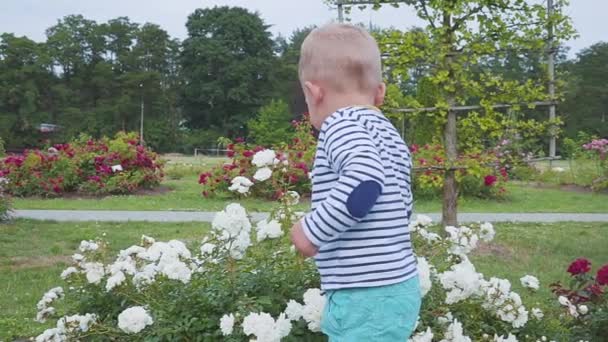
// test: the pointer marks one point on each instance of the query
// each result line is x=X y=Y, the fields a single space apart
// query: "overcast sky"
x=32 y=17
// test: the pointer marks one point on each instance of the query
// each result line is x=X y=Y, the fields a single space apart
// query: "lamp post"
x=141 y=120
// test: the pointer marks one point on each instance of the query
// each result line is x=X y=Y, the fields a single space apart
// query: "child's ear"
x=380 y=94
x=313 y=93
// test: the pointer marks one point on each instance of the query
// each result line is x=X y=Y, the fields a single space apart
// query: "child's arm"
x=352 y=153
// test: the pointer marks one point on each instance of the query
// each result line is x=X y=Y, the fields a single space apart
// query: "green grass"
x=581 y=172
x=186 y=195
x=542 y=250
x=33 y=254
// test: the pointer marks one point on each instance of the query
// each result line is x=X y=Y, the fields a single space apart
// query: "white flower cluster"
x=43 y=306
x=265 y=328
x=88 y=246
x=264 y=160
x=134 y=320
x=227 y=324
x=530 y=282
x=240 y=184
x=510 y=338
x=463 y=240
x=425 y=336
x=425 y=271
x=507 y=305
x=268 y=229
x=461 y=281
x=455 y=333
x=66 y=325
x=233 y=227
x=572 y=310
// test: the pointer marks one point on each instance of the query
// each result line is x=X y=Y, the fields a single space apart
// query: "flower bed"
x=264 y=173
x=244 y=281
x=106 y=166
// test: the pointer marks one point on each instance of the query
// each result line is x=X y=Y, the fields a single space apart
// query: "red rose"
x=414 y=148
x=300 y=154
x=57 y=189
x=230 y=146
x=503 y=172
x=579 y=266
x=296 y=140
x=248 y=154
x=239 y=140
x=258 y=149
x=490 y=180
x=230 y=154
x=293 y=179
x=242 y=172
x=602 y=275
x=595 y=289
x=438 y=159
x=422 y=161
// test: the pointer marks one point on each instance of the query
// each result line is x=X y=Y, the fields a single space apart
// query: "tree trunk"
x=450 y=188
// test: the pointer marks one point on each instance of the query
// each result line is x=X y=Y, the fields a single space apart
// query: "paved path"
x=193 y=216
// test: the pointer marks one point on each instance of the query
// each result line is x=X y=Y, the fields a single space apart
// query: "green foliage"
x=272 y=125
x=586 y=101
x=227 y=68
x=2 y=150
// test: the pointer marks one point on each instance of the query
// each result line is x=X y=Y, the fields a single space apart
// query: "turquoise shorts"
x=385 y=313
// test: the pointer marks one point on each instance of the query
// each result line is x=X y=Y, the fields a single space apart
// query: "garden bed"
x=544 y=250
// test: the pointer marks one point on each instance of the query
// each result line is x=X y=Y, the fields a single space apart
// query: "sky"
x=32 y=17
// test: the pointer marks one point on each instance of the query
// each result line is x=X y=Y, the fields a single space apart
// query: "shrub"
x=264 y=173
x=479 y=174
x=2 y=150
x=598 y=148
x=585 y=301
x=106 y=166
x=5 y=201
x=271 y=127
x=241 y=282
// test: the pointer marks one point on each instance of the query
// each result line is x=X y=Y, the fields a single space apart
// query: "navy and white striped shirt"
x=361 y=202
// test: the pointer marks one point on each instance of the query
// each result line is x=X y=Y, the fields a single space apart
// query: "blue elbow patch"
x=362 y=198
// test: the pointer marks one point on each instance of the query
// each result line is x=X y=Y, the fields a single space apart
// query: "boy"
x=362 y=200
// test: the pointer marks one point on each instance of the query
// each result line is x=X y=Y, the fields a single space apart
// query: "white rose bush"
x=242 y=281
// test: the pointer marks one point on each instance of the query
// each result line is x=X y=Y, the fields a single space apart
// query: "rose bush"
x=5 y=201
x=598 y=148
x=243 y=281
x=479 y=174
x=585 y=301
x=106 y=166
x=264 y=173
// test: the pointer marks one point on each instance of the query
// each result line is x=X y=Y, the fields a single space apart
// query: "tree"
x=586 y=103
x=272 y=126
x=227 y=68
x=288 y=82
x=25 y=80
x=461 y=33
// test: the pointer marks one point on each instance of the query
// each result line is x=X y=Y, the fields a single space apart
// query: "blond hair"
x=343 y=57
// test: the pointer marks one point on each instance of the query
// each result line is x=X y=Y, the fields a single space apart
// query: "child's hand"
x=301 y=242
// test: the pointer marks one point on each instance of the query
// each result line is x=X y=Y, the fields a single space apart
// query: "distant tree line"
x=90 y=77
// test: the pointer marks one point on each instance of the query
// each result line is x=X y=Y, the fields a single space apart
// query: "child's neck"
x=335 y=102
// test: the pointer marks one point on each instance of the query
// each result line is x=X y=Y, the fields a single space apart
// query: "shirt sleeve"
x=354 y=156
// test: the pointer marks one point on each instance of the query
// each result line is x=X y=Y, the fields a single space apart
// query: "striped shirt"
x=361 y=158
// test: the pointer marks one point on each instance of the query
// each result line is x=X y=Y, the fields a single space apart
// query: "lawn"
x=185 y=194
x=33 y=255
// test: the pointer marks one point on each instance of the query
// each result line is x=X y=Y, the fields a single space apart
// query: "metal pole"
x=141 y=121
x=340 y=11
x=551 y=69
